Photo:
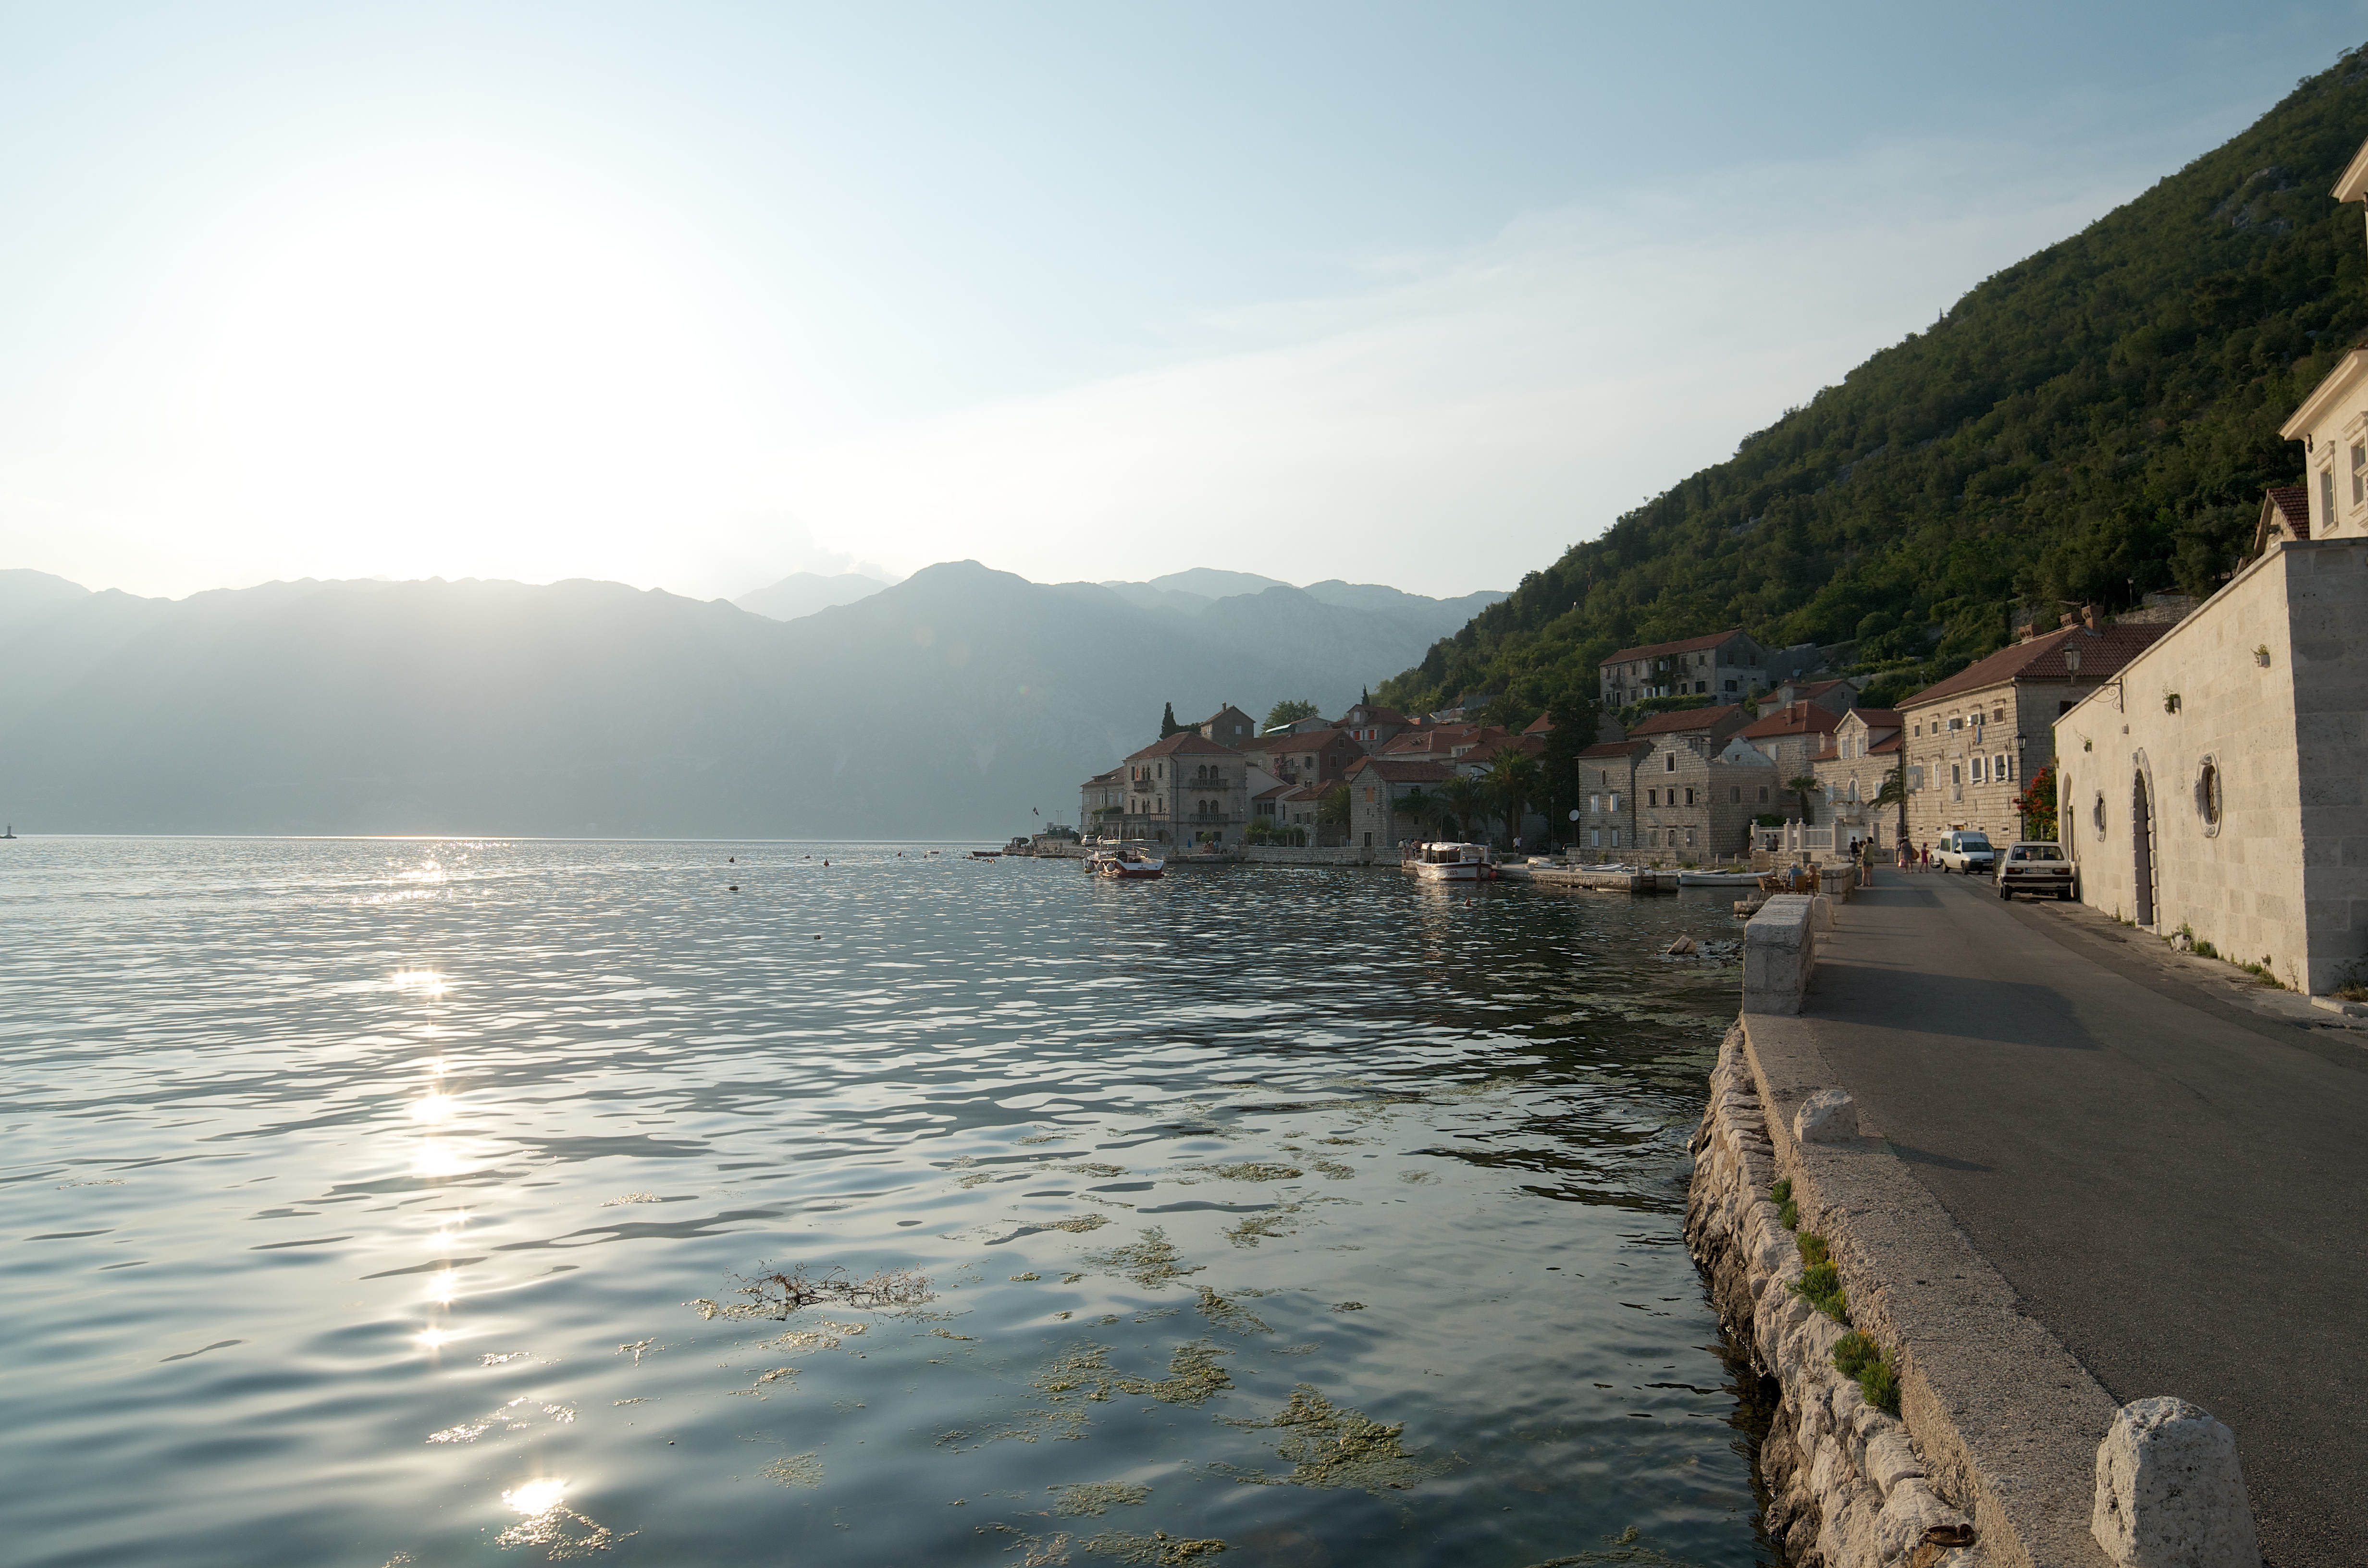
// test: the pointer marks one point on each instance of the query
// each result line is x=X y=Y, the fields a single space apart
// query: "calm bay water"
x=382 y=1202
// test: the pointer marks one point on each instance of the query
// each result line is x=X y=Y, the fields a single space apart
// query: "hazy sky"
x=693 y=296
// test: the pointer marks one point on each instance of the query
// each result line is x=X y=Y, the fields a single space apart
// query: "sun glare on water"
x=536 y=1497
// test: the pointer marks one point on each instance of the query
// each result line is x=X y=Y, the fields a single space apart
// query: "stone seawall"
x=1849 y=1485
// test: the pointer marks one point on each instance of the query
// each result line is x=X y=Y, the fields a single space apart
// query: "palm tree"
x=1804 y=786
x=1894 y=793
x=1333 y=810
x=1465 y=798
x=1512 y=778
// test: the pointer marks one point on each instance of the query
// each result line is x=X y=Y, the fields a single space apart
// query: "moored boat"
x=1451 y=862
x=1125 y=863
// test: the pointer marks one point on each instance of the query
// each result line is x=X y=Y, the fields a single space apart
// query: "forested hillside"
x=2092 y=424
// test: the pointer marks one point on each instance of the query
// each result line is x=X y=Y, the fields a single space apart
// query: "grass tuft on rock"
x=1857 y=1357
x=1788 y=1214
x=1821 y=1281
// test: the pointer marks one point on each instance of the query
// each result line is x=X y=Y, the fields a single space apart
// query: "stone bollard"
x=1829 y=1116
x=2169 y=1493
x=1779 y=952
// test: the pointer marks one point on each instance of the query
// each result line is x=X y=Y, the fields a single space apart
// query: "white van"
x=1965 y=851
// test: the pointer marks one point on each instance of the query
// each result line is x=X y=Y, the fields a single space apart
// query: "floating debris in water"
x=757 y=1388
x=949 y=1333
x=509 y=1416
x=503 y=1361
x=1333 y=1170
x=649 y=1346
x=633 y=1197
x=1040 y=1551
x=976 y=1178
x=1071 y=1278
x=800 y=1339
x=1042 y=1138
x=1094 y=1168
x=1158 y=1550
x=1094 y=1498
x=1028 y=1278
x=1225 y=1314
x=1330 y=1446
x=1417 y=1179
x=1150 y=1260
x=1348 y=1306
x=561 y=1532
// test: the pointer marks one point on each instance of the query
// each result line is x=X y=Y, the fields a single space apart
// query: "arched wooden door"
x=2142 y=845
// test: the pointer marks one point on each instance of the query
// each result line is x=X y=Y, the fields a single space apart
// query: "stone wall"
x=1849 y=1486
x=2270 y=677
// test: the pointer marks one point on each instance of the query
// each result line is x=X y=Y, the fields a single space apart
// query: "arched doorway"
x=2142 y=842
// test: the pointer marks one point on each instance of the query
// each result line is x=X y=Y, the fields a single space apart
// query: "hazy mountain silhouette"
x=949 y=704
x=802 y=593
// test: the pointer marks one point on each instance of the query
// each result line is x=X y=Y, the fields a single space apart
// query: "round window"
x=2207 y=795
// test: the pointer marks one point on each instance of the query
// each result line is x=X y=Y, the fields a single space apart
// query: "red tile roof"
x=2284 y=504
x=1685 y=720
x=2102 y=652
x=1429 y=740
x=1613 y=748
x=1184 y=742
x=1540 y=725
x=1691 y=645
x=1800 y=718
x=1879 y=717
x=1374 y=714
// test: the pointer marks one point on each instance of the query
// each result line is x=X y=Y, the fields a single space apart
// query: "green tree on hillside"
x=2093 y=422
x=1289 y=710
x=1512 y=781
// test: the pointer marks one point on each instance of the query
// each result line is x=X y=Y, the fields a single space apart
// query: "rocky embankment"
x=1849 y=1486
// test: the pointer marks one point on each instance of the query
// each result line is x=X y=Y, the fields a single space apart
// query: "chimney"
x=2064 y=620
x=2088 y=617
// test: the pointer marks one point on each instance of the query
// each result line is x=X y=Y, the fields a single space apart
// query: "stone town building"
x=1443 y=743
x=1836 y=696
x=1607 y=797
x=1299 y=807
x=1372 y=726
x=1708 y=727
x=1861 y=753
x=1975 y=739
x=1187 y=790
x=1308 y=756
x=1377 y=786
x=1228 y=726
x=1791 y=737
x=1693 y=804
x=2215 y=788
x=1729 y=665
x=1104 y=801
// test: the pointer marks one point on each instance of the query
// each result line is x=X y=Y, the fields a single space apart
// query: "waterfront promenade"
x=2163 y=1161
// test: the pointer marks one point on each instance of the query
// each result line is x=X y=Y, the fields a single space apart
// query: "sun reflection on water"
x=536 y=1497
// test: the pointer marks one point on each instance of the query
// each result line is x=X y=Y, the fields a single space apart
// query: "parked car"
x=2036 y=866
x=1964 y=852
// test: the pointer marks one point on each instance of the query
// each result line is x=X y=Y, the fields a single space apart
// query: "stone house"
x=1228 y=726
x=1104 y=797
x=1860 y=754
x=1372 y=726
x=1306 y=756
x=2215 y=788
x=1187 y=790
x=1729 y=665
x=1791 y=737
x=1607 y=797
x=1838 y=696
x=1708 y=728
x=1692 y=803
x=1377 y=786
x=1975 y=739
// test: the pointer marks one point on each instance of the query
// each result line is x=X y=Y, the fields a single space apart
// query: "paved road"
x=2175 y=1182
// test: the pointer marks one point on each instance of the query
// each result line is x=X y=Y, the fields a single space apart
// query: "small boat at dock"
x=1127 y=863
x=1451 y=862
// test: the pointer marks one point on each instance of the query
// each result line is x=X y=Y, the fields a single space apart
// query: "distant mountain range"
x=949 y=704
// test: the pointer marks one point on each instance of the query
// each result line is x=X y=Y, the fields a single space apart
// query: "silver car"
x=2036 y=866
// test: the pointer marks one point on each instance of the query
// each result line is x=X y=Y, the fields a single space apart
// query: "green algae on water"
x=1095 y=1497
x=1253 y=1170
x=1192 y=1375
x=1263 y=1227
x=797 y=1469
x=1331 y=1447
x=1158 y=1550
x=1226 y=1313
x=1151 y=1261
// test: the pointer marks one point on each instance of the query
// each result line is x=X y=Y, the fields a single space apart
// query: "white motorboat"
x=1126 y=863
x=1451 y=862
